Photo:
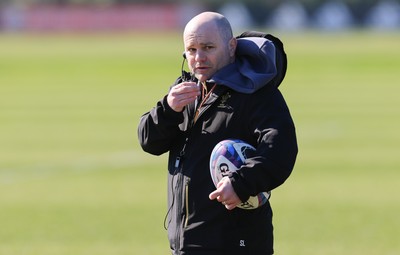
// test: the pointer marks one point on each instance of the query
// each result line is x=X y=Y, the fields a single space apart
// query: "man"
x=231 y=92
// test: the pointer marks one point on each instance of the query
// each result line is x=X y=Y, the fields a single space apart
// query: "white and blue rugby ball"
x=227 y=157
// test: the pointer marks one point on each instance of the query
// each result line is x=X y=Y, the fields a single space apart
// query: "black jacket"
x=197 y=225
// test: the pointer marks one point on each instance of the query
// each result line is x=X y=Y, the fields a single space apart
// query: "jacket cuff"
x=169 y=112
x=239 y=187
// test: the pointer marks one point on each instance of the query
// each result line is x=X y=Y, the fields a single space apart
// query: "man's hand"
x=182 y=95
x=225 y=194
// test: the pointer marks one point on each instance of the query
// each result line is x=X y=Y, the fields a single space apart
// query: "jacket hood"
x=254 y=67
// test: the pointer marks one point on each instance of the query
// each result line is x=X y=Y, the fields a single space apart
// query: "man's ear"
x=232 y=47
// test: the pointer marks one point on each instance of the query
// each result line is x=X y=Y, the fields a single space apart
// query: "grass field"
x=73 y=179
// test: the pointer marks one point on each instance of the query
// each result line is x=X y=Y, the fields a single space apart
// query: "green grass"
x=73 y=179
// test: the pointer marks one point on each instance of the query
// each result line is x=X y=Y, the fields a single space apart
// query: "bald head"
x=210 y=20
x=209 y=44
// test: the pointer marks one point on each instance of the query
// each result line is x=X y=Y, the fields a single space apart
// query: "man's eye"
x=192 y=50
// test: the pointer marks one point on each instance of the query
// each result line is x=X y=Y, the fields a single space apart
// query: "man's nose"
x=200 y=56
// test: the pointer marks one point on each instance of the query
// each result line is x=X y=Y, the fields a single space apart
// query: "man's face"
x=206 y=52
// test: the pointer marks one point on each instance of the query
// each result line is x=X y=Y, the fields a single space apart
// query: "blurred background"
x=76 y=75
x=51 y=15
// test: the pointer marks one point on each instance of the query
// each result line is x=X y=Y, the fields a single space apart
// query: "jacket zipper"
x=180 y=181
x=180 y=192
x=178 y=211
x=186 y=202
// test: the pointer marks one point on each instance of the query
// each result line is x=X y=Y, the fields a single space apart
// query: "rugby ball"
x=227 y=157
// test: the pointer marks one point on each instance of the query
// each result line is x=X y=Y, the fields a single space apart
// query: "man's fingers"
x=230 y=206
x=186 y=87
x=182 y=95
x=216 y=194
x=213 y=195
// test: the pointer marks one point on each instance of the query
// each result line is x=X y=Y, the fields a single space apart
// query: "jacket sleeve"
x=274 y=135
x=158 y=128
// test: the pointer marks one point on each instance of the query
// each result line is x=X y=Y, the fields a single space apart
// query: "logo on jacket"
x=224 y=99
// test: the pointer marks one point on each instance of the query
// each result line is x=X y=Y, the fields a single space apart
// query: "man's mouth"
x=201 y=69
